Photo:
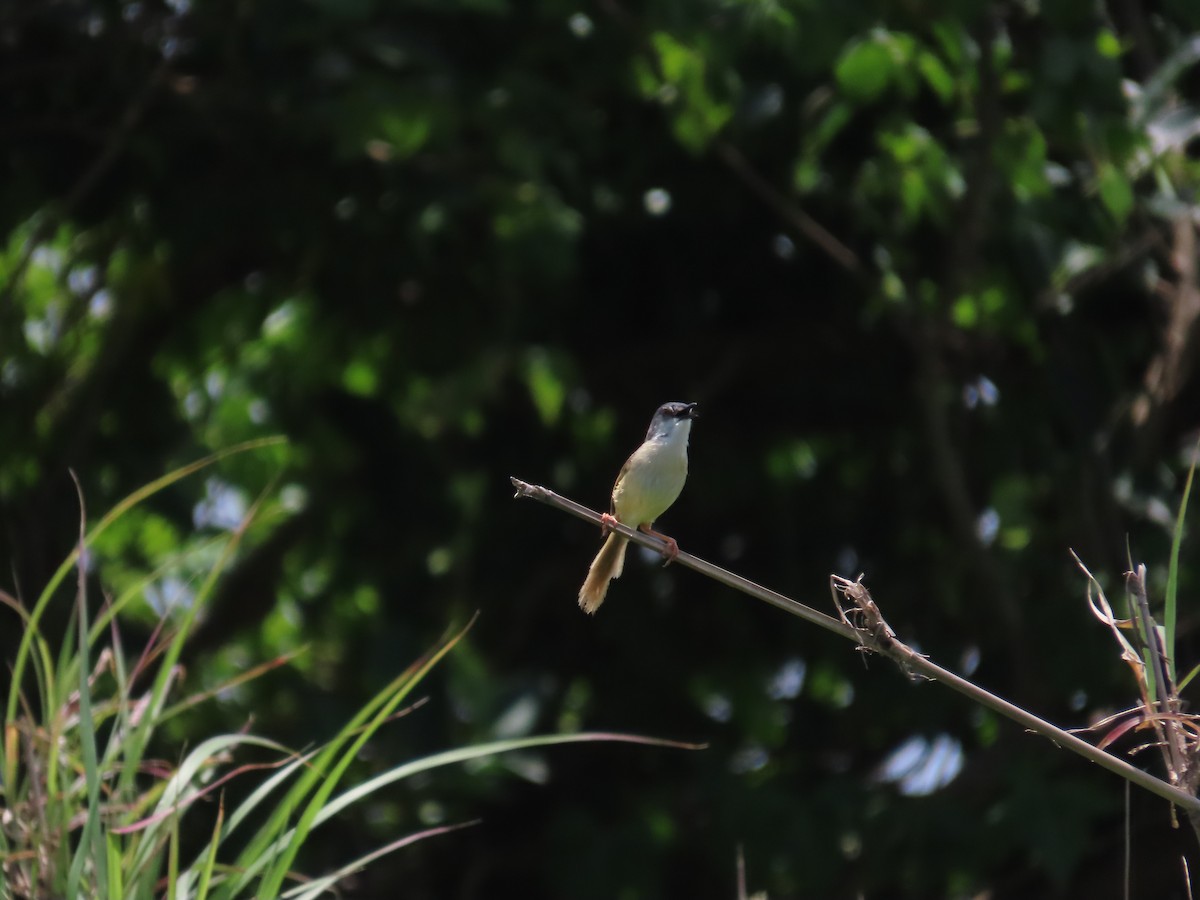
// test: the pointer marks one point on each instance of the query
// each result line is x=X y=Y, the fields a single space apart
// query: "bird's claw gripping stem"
x=670 y=548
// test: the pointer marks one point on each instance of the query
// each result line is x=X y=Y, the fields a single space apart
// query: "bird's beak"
x=691 y=411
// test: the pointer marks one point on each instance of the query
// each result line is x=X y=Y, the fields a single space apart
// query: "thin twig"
x=892 y=647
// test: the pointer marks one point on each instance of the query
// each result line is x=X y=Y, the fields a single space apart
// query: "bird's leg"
x=670 y=551
x=607 y=521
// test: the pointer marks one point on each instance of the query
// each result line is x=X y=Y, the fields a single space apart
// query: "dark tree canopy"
x=930 y=270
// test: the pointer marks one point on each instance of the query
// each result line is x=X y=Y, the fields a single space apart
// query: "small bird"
x=649 y=482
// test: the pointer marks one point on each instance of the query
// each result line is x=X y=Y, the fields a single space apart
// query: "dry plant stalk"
x=1160 y=710
x=874 y=634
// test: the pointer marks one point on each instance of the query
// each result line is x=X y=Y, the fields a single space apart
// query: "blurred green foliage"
x=929 y=269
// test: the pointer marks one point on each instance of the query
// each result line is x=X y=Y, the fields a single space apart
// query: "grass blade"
x=313 y=889
x=1172 y=605
x=210 y=860
x=117 y=511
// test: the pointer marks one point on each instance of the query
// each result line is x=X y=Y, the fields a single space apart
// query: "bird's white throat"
x=673 y=432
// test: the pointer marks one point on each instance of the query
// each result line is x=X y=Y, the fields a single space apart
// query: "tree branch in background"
x=864 y=624
x=1169 y=369
x=1118 y=259
x=737 y=163
x=788 y=211
x=929 y=342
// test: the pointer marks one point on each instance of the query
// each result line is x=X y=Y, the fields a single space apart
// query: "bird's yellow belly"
x=649 y=487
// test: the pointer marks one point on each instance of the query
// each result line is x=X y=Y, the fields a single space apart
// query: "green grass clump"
x=86 y=813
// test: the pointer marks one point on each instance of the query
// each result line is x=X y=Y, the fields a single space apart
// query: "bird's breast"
x=653 y=480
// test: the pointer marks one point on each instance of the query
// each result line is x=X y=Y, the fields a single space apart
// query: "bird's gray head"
x=672 y=418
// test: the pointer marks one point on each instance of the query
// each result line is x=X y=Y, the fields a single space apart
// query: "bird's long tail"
x=607 y=565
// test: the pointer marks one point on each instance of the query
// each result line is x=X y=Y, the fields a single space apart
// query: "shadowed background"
x=929 y=269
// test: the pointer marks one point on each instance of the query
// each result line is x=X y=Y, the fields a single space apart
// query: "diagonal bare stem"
x=883 y=641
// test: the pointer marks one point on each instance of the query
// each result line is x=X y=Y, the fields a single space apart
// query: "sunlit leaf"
x=864 y=70
x=936 y=76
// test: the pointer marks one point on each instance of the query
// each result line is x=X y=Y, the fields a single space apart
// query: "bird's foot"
x=670 y=548
x=607 y=521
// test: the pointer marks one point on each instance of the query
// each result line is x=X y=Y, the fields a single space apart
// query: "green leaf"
x=1115 y=192
x=1021 y=153
x=1016 y=538
x=699 y=116
x=547 y=387
x=384 y=121
x=806 y=174
x=914 y=193
x=1187 y=679
x=965 y=312
x=936 y=75
x=677 y=61
x=361 y=377
x=864 y=70
x=837 y=117
x=1107 y=44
